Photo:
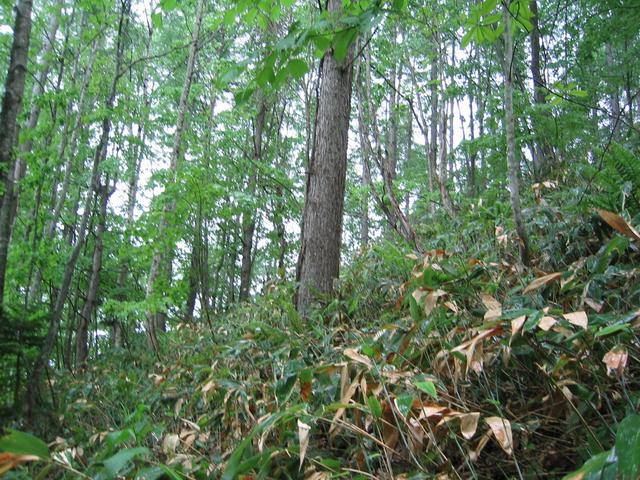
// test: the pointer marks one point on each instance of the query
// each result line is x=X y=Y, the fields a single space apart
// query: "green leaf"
x=428 y=387
x=342 y=42
x=628 y=448
x=399 y=5
x=595 y=468
x=229 y=17
x=297 y=68
x=265 y=76
x=374 y=406
x=156 y=20
x=119 y=461
x=168 y=5
x=24 y=444
x=612 y=329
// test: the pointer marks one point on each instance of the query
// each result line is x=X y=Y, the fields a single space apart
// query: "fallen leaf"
x=578 y=319
x=469 y=424
x=619 y=224
x=546 y=323
x=541 y=281
x=516 y=325
x=596 y=306
x=494 y=307
x=501 y=428
x=358 y=357
x=303 y=436
x=432 y=300
x=616 y=360
x=170 y=443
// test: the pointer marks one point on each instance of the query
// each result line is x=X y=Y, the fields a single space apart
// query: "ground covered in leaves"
x=452 y=364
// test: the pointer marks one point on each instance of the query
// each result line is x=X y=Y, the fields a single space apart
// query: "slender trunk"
x=162 y=252
x=319 y=261
x=512 y=162
x=249 y=217
x=100 y=155
x=614 y=97
x=433 y=147
x=61 y=197
x=542 y=150
x=82 y=347
x=192 y=292
x=11 y=107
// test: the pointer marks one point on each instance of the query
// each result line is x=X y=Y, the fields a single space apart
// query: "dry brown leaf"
x=346 y=398
x=178 y=406
x=11 y=460
x=546 y=323
x=516 y=325
x=494 y=308
x=616 y=360
x=358 y=357
x=303 y=436
x=619 y=224
x=578 y=319
x=469 y=424
x=596 y=306
x=432 y=300
x=541 y=281
x=419 y=293
x=501 y=428
x=474 y=455
x=170 y=443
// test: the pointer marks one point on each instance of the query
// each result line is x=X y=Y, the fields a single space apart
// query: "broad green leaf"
x=628 y=448
x=24 y=444
x=115 y=464
x=428 y=387
x=595 y=468
x=168 y=5
x=374 y=406
x=612 y=329
x=156 y=20
x=297 y=68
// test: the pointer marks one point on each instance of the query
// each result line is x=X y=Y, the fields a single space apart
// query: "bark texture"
x=321 y=239
x=512 y=162
x=11 y=107
x=162 y=254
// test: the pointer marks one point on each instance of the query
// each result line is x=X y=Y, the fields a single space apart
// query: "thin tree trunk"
x=248 y=217
x=82 y=347
x=513 y=164
x=319 y=261
x=61 y=197
x=542 y=150
x=100 y=155
x=160 y=256
x=11 y=107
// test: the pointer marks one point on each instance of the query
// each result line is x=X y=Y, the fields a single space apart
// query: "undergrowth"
x=453 y=364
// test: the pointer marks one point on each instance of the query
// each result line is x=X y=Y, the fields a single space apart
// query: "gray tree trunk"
x=162 y=253
x=11 y=107
x=319 y=260
x=512 y=162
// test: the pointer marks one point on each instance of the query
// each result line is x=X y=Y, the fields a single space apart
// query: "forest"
x=363 y=239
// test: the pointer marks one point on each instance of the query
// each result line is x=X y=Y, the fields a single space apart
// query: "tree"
x=11 y=107
x=321 y=232
x=509 y=123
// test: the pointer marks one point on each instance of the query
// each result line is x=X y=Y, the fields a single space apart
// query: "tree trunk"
x=542 y=150
x=82 y=347
x=160 y=256
x=249 y=217
x=319 y=261
x=100 y=155
x=11 y=106
x=512 y=162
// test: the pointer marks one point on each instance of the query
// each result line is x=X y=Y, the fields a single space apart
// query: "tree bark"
x=99 y=156
x=542 y=150
x=82 y=335
x=249 y=217
x=11 y=106
x=512 y=162
x=319 y=260
x=160 y=256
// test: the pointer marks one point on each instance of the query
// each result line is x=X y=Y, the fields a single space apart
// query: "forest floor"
x=444 y=365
